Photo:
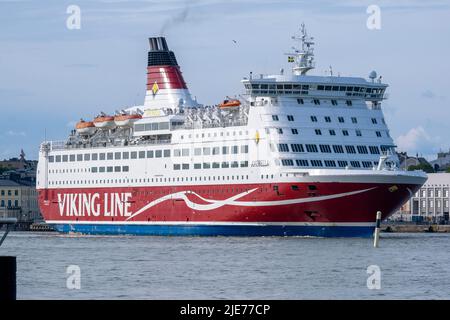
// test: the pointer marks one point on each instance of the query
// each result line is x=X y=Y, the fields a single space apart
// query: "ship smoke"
x=175 y=20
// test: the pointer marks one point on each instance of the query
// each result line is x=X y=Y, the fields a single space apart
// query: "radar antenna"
x=303 y=58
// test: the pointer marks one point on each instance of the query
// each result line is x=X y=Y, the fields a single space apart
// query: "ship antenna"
x=303 y=56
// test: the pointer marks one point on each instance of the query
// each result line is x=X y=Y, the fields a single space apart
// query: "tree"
x=422 y=166
x=447 y=170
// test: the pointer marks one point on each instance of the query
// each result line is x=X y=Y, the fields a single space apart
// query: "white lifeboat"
x=104 y=122
x=85 y=127
x=126 y=120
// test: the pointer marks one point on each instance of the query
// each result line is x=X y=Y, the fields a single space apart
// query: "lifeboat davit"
x=230 y=104
x=104 y=122
x=126 y=120
x=85 y=127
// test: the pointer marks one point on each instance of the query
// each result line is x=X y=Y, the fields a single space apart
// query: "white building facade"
x=431 y=202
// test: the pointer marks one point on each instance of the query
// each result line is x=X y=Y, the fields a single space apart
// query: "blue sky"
x=51 y=76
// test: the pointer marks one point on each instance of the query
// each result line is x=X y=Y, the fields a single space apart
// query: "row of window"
x=10 y=203
x=148 y=180
x=327 y=163
x=327 y=119
x=110 y=169
x=206 y=151
x=298 y=88
x=10 y=192
x=332 y=132
x=147 y=154
x=211 y=165
x=326 y=148
x=432 y=193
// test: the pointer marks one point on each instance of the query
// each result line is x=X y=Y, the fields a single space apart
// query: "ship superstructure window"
x=117 y=168
x=327 y=119
x=318 y=132
x=297 y=147
x=374 y=150
x=330 y=163
x=225 y=150
x=141 y=154
x=358 y=133
x=287 y=162
x=94 y=169
x=334 y=102
x=72 y=158
x=58 y=158
x=311 y=148
x=345 y=133
x=355 y=164
x=234 y=149
x=316 y=102
x=79 y=157
x=362 y=149
x=332 y=132
x=341 y=119
x=125 y=168
x=342 y=163
x=225 y=165
x=283 y=147
x=280 y=131
x=300 y=101
x=348 y=103
x=350 y=149
x=64 y=158
x=102 y=156
x=274 y=117
x=325 y=148
x=374 y=120
x=244 y=149
x=367 y=164
x=302 y=163
x=117 y=155
x=150 y=154
x=313 y=118
x=338 y=149
x=290 y=118
x=51 y=159
x=166 y=153
x=158 y=154
x=133 y=154
x=354 y=120
x=378 y=133
x=294 y=131
x=316 y=163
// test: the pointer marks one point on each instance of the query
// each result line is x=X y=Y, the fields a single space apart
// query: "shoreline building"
x=19 y=199
x=431 y=202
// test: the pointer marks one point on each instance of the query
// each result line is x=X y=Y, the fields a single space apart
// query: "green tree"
x=423 y=166
x=447 y=170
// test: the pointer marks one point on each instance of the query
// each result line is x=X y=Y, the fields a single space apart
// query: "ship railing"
x=210 y=125
x=65 y=145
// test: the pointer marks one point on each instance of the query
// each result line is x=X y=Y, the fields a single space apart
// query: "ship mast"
x=303 y=56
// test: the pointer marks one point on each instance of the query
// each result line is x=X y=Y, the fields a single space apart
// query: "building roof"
x=8 y=183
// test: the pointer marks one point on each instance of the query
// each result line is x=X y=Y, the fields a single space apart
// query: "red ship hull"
x=271 y=209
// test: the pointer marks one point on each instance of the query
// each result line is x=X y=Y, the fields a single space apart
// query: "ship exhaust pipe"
x=166 y=87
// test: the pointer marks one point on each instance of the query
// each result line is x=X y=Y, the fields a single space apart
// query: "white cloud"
x=12 y=133
x=417 y=140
